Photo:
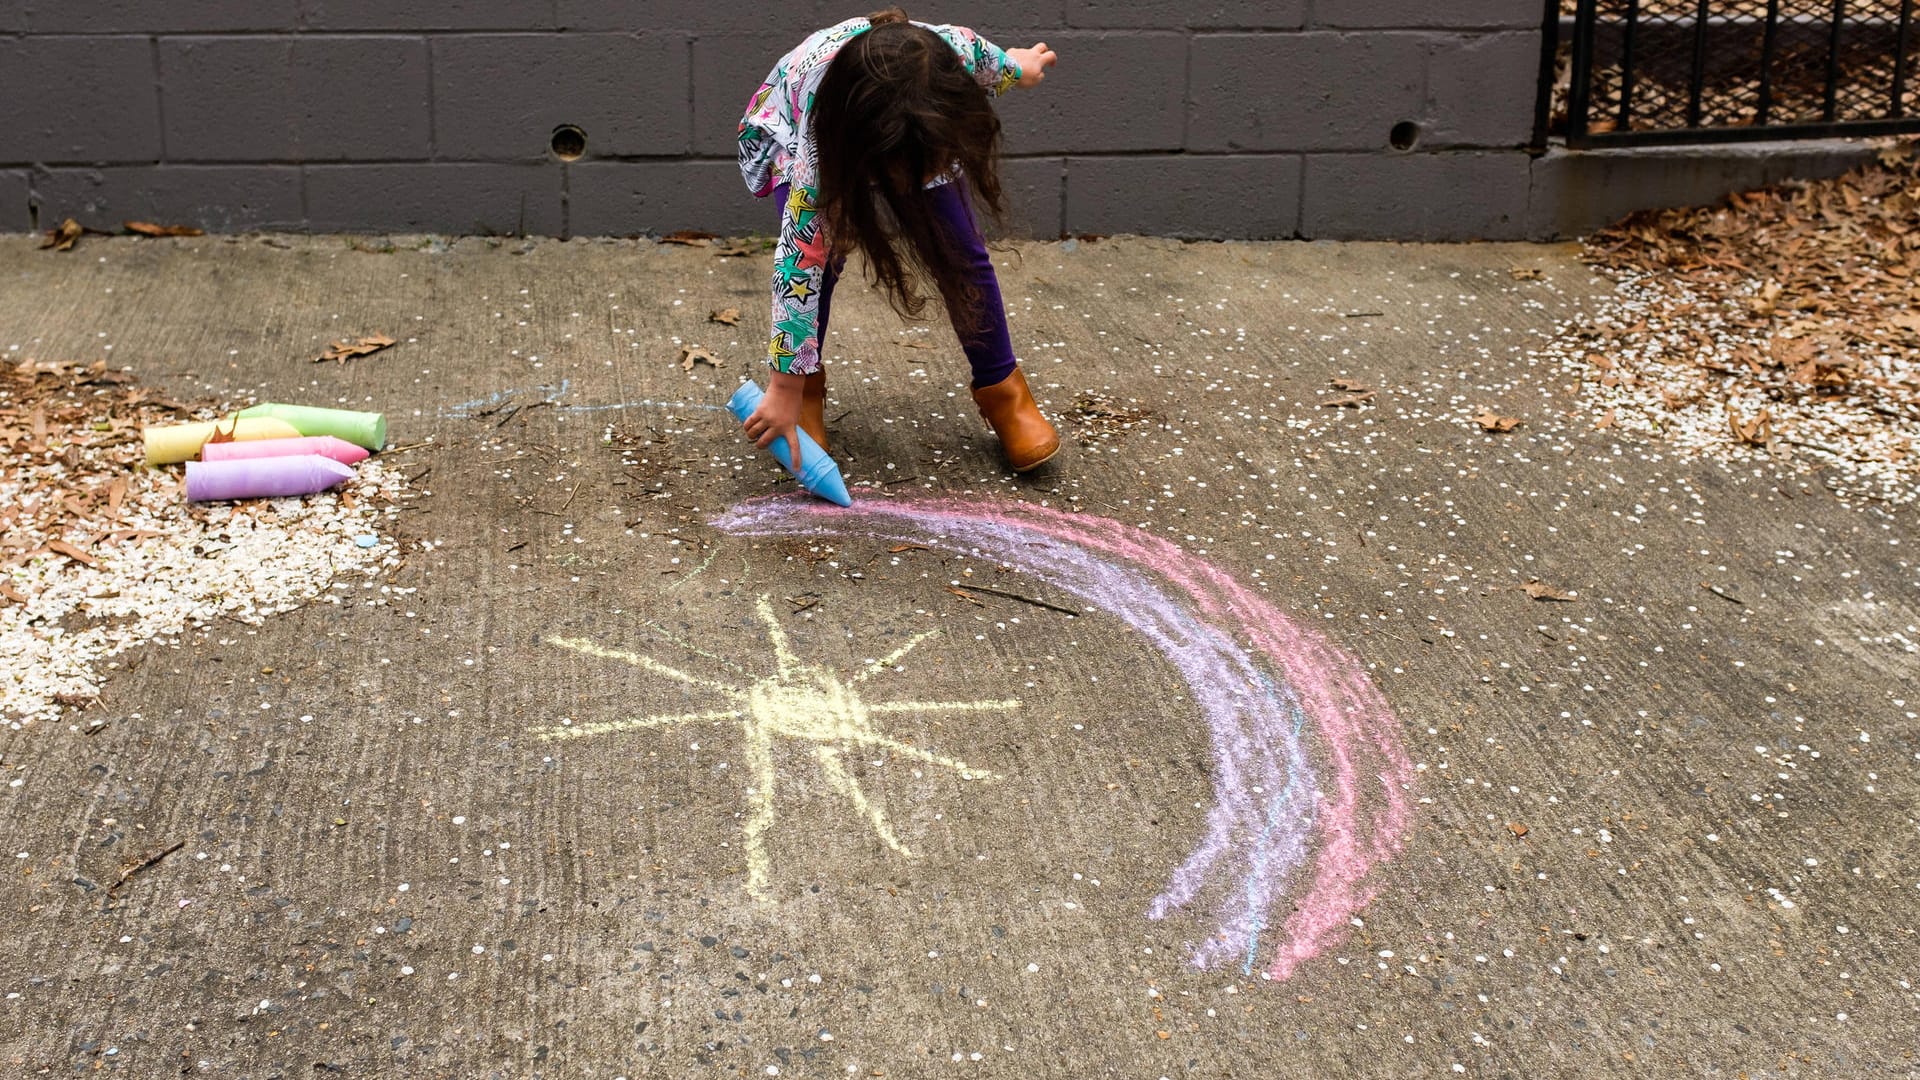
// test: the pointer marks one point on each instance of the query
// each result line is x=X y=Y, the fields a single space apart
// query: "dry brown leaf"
x=63 y=236
x=63 y=548
x=898 y=548
x=226 y=436
x=1348 y=401
x=1352 y=386
x=1540 y=590
x=1492 y=421
x=1605 y=421
x=148 y=228
x=689 y=238
x=344 y=351
x=1526 y=273
x=1757 y=432
x=694 y=354
x=736 y=250
x=726 y=316
x=1516 y=829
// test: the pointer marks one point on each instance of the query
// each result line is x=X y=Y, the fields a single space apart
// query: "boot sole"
x=1051 y=454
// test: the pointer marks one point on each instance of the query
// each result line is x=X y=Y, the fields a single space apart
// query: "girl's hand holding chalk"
x=821 y=476
x=1033 y=63
x=779 y=414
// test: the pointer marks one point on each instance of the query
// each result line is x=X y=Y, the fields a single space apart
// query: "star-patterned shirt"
x=776 y=146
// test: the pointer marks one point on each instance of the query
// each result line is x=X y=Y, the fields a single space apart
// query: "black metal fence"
x=1648 y=72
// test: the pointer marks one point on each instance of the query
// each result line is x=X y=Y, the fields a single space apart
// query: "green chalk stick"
x=366 y=429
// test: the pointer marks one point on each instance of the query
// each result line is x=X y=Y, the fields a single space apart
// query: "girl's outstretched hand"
x=779 y=414
x=1033 y=63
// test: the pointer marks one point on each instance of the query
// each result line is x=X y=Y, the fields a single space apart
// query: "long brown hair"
x=896 y=108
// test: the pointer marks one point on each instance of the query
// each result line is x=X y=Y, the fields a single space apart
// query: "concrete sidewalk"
x=1286 y=774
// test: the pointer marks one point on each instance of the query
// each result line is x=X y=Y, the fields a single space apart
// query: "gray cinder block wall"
x=1402 y=119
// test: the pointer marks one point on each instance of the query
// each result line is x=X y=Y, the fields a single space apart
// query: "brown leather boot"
x=813 y=407
x=1024 y=434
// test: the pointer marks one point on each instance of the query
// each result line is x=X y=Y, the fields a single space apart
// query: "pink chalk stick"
x=263 y=478
x=326 y=446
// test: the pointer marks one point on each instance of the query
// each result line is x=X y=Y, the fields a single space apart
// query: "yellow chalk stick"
x=175 y=443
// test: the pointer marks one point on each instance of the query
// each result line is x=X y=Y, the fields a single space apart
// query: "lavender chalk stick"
x=261 y=478
x=326 y=446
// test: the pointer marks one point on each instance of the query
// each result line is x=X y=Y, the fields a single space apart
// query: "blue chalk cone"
x=819 y=474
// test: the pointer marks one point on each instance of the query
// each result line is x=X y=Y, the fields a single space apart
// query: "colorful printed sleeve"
x=799 y=272
x=989 y=64
x=757 y=146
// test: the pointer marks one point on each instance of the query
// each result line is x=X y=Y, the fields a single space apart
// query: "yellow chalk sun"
x=801 y=702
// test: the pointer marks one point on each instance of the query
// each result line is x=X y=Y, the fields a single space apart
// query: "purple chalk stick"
x=326 y=446
x=260 y=478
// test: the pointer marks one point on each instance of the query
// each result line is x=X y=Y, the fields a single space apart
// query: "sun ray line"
x=760 y=763
x=892 y=658
x=908 y=750
x=777 y=636
x=646 y=663
x=843 y=782
x=637 y=723
x=1002 y=704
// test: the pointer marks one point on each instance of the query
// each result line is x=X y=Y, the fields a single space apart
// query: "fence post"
x=1549 y=68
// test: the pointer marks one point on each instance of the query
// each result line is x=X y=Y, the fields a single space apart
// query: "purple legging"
x=989 y=349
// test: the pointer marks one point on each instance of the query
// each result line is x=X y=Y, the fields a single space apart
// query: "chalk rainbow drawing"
x=1275 y=697
x=800 y=702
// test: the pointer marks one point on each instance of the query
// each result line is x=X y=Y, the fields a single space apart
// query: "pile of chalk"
x=268 y=451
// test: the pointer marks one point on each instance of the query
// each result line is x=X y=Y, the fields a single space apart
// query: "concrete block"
x=501 y=96
x=149 y=17
x=13 y=16
x=1424 y=14
x=795 y=20
x=218 y=198
x=727 y=69
x=1577 y=191
x=447 y=197
x=78 y=99
x=1443 y=196
x=16 y=201
x=626 y=198
x=1162 y=14
x=229 y=98
x=1111 y=91
x=1251 y=197
x=1481 y=90
x=1035 y=190
x=428 y=15
x=1312 y=91
x=992 y=18
x=295 y=98
x=362 y=98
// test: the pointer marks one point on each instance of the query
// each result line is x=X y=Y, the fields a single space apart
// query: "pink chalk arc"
x=1275 y=696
